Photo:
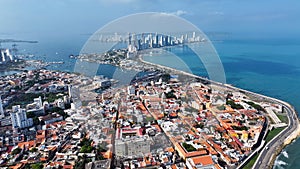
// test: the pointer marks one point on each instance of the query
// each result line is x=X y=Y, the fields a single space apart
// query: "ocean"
x=270 y=67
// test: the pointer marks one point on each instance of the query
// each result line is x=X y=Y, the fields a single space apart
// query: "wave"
x=279 y=164
x=285 y=154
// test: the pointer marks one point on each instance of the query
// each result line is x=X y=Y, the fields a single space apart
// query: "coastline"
x=283 y=144
x=292 y=137
x=288 y=140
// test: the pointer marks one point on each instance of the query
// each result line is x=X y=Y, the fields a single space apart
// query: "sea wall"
x=292 y=137
x=286 y=142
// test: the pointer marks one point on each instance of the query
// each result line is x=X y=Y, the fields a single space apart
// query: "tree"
x=188 y=147
x=234 y=105
x=222 y=107
x=37 y=166
x=166 y=77
x=30 y=114
x=170 y=95
x=81 y=162
x=199 y=125
x=256 y=106
x=16 y=151
x=59 y=111
x=86 y=149
x=239 y=128
x=85 y=141
x=36 y=121
x=86 y=146
x=102 y=147
x=34 y=149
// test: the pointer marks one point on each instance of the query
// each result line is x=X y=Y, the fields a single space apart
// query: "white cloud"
x=177 y=13
x=180 y=12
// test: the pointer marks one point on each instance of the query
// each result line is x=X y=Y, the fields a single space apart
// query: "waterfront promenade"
x=267 y=156
x=272 y=148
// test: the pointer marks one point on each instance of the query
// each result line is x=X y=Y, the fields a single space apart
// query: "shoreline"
x=286 y=142
x=25 y=65
x=293 y=136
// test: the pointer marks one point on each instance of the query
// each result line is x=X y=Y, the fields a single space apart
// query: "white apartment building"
x=19 y=118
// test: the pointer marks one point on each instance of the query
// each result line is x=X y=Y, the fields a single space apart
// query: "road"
x=263 y=161
x=113 y=158
x=266 y=154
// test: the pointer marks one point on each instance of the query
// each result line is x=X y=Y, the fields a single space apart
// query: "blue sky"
x=74 y=18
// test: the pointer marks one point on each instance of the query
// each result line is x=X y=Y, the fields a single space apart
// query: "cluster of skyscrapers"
x=141 y=41
x=137 y=42
x=5 y=56
x=154 y=40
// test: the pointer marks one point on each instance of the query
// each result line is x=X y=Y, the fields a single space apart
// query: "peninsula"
x=166 y=118
x=279 y=121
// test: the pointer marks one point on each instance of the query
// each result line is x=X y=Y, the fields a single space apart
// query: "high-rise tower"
x=1 y=109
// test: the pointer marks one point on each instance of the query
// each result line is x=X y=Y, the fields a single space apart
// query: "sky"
x=76 y=19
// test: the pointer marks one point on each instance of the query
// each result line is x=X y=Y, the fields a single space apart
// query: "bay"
x=270 y=67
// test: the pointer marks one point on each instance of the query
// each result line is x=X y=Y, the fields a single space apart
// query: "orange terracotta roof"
x=165 y=159
x=143 y=164
x=203 y=160
x=54 y=137
x=173 y=114
x=152 y=98
x=60 y=155
x=20 y=165
x=202 y=152
x=169 y=149
x=227 y=158
x=186 y=154
x=68 y=167
x=60 y=123
x=141 y=107
x=107 y=154
x=157 y=127
x=52 y=148
x=173 y=166
x=191 y=132
x=43 y=159
x=24 y=161
x=210 y=149
x=28 y=144
x=217 y=166
x=41 y=133
x=54 y=163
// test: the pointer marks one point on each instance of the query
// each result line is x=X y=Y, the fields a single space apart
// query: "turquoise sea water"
x=269 y=67
x=266 y=67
